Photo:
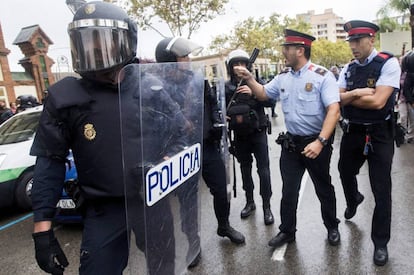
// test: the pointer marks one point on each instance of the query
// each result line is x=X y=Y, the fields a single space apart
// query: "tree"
x=327 y=53
x=183 y=17
x=265 y=34
x=387 y=24
x=400 y=6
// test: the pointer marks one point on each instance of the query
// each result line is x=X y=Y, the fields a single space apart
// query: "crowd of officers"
x=79 y=114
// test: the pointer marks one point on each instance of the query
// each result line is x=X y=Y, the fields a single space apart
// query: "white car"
x=16 y=163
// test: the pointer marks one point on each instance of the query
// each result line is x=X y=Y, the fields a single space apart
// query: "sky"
x=53 y=17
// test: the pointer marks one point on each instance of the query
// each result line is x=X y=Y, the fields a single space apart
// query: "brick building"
x=37 y=75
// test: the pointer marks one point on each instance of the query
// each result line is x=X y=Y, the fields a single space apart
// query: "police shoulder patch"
x=320 y=71
x=285 y=70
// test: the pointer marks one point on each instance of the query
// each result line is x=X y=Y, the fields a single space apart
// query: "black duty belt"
x=302 y=139
x=367 y=127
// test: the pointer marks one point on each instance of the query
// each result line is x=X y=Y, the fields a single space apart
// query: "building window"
x=214 y=70
x=42 y=63
x=46 y=81
x=3 y=94
x=44 y=71
x=1 y=73
x=40 y=44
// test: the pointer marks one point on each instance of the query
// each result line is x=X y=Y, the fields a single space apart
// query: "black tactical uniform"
x=213 y=169
x=250 y=141
x=84 y=115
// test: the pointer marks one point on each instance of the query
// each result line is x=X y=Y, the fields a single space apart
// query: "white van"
x=16 y=164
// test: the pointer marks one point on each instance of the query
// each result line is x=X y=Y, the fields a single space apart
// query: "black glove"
x=49 y=255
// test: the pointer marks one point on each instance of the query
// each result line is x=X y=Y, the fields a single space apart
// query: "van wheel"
x=23 y=193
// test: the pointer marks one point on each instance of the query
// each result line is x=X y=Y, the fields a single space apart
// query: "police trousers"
x=379 y=159
x=246 y=146
x=292 y=167
x=214 y=175
x=105 y=239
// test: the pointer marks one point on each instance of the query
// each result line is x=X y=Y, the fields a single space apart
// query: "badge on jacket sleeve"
x=89 y=131
x=308 y=87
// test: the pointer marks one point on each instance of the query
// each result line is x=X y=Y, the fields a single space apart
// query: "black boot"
x=250 y=206
x=268 y=216
x=225 y=230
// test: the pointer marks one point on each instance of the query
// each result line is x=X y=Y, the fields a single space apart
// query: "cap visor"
x=357 y=36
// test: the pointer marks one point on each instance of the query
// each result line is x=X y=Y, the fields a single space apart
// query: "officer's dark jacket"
x=366 y=76
x=186 y=91
x=212 y=115
x=85 y=116
x=255 y=104
x=408 y=88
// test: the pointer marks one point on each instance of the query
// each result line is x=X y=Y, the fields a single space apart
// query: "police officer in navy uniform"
x=249 y=140
x=310 y=103
x=175 y=50
x=368 y=86
x=84 y=115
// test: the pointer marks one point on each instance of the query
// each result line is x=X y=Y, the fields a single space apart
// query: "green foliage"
x=327 y=53
x=183 y=17
x=401 y=6
x=265 y=34
x=387 y=24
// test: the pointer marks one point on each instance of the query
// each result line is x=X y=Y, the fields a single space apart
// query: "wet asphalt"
x=309 y=254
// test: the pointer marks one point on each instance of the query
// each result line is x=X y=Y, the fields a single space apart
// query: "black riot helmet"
x=407 y=63
x=170 y=48
x=102 y=38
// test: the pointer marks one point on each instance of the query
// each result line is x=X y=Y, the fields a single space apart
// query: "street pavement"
x=309 y=254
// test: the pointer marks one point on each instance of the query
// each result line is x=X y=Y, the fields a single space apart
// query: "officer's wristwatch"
x=323 y=140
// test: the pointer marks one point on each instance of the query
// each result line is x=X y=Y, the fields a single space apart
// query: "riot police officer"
x=176 y=50
x=368 y=86
x=84 y=115
x=248 y=123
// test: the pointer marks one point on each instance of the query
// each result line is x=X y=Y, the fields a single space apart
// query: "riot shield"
x=161 y=108
x=229 y=159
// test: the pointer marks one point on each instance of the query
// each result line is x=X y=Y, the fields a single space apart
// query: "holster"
x=286 y=141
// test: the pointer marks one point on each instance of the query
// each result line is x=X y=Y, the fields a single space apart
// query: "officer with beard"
x=310 y=103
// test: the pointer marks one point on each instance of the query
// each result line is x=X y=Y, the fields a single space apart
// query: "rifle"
x=252 y=59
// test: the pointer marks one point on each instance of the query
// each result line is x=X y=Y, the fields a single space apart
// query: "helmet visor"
x=182 y=47
x=99 y=45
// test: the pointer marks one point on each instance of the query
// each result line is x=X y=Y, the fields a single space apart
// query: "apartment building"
x=326 y=25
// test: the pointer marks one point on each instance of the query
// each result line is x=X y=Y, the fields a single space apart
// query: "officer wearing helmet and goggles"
x=84 y=115
x=176 y=51
x=249 y=131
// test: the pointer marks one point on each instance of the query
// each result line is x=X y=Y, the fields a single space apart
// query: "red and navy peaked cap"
x=297 y=38
x=358 y=29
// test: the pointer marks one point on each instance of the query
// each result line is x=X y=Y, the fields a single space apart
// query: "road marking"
x=279 y=253
x=15 y=221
